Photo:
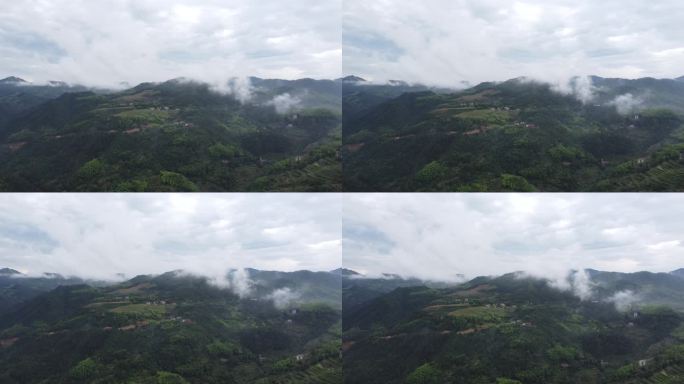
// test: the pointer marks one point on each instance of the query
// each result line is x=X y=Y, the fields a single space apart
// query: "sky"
x=105 y=42
x=100 y=235
x=446 y=42
x=439 y=236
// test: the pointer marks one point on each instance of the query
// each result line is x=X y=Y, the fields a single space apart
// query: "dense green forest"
x=515 y=329
x=518 y=135
x=178 y=135
x=173 y=328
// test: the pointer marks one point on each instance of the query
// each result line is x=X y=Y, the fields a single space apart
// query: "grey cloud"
x=102 y=235
x=105 y=42
x=438 y=236
x=444 y=42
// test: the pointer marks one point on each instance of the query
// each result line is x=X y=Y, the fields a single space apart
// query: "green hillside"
x=177 y=136
x=176 y=328
x=518 y=135
x=517 y=329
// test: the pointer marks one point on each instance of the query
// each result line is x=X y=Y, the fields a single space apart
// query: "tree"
x=432 y=172
x=425 y=374
x=170 y=378
x=85 y=369
x=516 y=183
x=91 y=169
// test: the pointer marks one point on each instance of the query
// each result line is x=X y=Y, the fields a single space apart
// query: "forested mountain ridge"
x=519 y=135
x=179 y=135
x=594 y=327
x=253 y=327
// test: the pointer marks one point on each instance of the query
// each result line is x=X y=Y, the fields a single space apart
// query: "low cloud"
x=581 y=87
x=283 y=297
x=623 y=300
x=285 y=103
x=235 y=280
x=239 y=87
x=577 y=282
x=626 y=104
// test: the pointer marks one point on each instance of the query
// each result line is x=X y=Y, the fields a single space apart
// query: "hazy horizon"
x=442 y=236
x=105 y=43
x=447 y=42
x=101 y=235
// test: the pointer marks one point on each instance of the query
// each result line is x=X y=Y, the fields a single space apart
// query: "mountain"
x=353 y=79
x=180 y=135
x=12 y=80
x=177 y=328
x=345 y=272
x=18 y=96
x=518 y=329
x=17 y=288
x=360 y=96
x=678 y=272
x=358 y=289
x=517 y=135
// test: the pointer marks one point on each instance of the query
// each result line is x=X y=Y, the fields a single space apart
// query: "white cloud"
x=445 y=42
x=106 y=42
x=285 y=103
x=282 y=297
x=100 y=235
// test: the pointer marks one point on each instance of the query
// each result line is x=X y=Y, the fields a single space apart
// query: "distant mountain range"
x=179 y=135
x=598 y=134
x=254 y=326
x=609 y=328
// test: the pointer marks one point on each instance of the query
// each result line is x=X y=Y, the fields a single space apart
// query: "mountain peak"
x=345 y=272
x=9 y=272
x=353 y=79
x=679 y=272
x=12 y=80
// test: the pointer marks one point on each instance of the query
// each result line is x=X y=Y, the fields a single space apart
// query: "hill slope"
x=177 y=136
x=516 y=329
x=518 y=135
x=176 y=328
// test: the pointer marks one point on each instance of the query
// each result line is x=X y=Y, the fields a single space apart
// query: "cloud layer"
x=438 y=236
x=100 y=235
x=444 y=42
x=110 y=41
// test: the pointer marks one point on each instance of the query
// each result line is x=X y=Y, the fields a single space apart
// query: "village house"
x=4 y=343
x=16 y=146
x=644 y=362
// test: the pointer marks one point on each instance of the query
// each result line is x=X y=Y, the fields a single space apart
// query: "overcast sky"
x=438 y=236
x=448 y=41
x=105 y=42
x=99 y=235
